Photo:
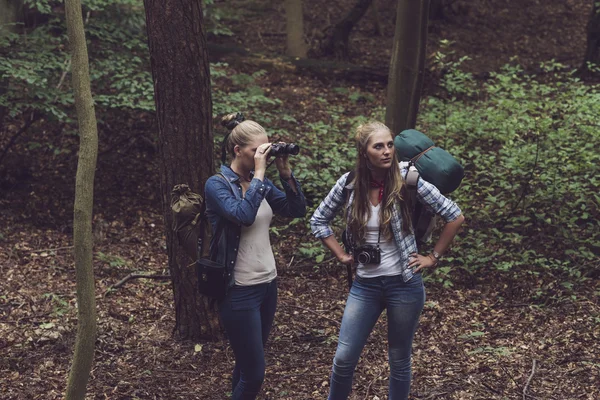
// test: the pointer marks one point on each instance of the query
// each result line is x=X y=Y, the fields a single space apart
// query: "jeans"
x=247 y=314
x=368 y=298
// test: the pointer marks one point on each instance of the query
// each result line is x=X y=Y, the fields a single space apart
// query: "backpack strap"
x=412 y=179
x=212 y=252
x=346 y=191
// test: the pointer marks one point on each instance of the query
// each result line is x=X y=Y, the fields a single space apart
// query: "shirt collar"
x=230 y=175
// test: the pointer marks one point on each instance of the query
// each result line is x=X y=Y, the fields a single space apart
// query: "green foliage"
x=112 y=260
x=529 y=148
x=240 y=92
x=215 y=17
x=60 y=306
x=36 y=63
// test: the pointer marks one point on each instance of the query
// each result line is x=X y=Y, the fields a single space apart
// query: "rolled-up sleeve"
x=287 y=203
x=328 y=209
x=429 y=195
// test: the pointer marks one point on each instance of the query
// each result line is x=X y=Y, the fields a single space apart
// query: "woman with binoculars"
x=240 y=203
x=389 y=276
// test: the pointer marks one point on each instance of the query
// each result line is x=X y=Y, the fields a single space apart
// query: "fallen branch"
x=323 y=68
x=529 y=380
x=372 y=381
x=310 y=311
x=54 y=249
x=135 y=276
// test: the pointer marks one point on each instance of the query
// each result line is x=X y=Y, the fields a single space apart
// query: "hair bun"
x=230 y=121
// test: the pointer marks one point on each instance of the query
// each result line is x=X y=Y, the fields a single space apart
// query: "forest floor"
x=483 y=338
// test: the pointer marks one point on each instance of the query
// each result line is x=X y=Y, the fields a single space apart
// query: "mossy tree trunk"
x=84 y=200
x=181 y=74
x=407 y=65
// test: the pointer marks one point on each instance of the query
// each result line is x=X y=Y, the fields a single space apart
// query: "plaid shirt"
x=427 y=194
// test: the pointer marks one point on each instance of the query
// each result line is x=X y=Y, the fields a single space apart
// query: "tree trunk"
x=407 y=65
x=436 y=10
x=84 y=201
x=376 y=19
x=592 y=52
x=181 y=74
x=294 y=22
x=337 y=41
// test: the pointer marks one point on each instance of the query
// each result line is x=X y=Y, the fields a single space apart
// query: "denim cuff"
x=287 y=187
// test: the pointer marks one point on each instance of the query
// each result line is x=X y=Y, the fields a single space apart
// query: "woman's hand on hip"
x=346 y=258
x=418 y=262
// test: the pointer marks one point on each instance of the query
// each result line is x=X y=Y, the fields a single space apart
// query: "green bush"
x=529 y=147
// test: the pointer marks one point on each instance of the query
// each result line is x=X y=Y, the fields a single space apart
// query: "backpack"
x=438 y=167
x=189 y=220
x=191 y=228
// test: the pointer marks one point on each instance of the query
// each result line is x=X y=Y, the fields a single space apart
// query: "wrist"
x=434 y=256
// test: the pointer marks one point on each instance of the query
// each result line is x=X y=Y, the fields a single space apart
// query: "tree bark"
x=336 y=43
x=407 y=65
x=84 y=201
x=592 y=52
x=376 y=19
x=181 y=74
x=294 y=16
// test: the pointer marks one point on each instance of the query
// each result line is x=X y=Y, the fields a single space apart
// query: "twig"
x=290 y=263
x=135 y=276
x=54 y=249
x=529 y=380
x=310 y=311
x=34 y=117
x=371 y=384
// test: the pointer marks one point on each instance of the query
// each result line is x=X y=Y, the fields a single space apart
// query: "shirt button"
x=232 y=262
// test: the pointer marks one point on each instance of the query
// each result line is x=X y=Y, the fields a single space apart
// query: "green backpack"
x=436 y=166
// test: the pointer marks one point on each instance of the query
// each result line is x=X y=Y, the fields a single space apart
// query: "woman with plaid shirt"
x=378 y=221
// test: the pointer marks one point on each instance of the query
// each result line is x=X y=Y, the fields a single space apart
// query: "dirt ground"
x=484 y=338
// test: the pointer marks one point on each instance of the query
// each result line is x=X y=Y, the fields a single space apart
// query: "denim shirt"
x=228 y=209
x=427 y=194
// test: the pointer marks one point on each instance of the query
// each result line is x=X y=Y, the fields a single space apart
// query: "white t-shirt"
x=255 y=262
x=390 y=255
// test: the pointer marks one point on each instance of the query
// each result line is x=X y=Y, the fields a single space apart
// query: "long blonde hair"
x=394 y=193
x=242 y=131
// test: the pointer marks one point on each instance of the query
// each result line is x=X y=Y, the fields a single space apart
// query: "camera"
x=367 y=254
x=280 y=149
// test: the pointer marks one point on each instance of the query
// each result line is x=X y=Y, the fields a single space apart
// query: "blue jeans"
x=368 y=298
x=247 y=314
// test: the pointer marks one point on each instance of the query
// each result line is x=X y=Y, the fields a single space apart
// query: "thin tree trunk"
x=84 y=201
x=294 y=16
x=180 y=70
x=376 y=19
x=592 y=52
x=407 y=64
x=337 y=42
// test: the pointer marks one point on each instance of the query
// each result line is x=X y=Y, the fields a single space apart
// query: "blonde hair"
x=242 y=131
x=394 y=193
